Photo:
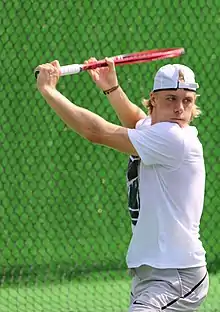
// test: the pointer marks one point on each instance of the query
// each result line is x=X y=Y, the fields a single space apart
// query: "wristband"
x=111 y=90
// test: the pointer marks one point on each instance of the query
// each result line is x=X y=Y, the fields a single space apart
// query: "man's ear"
x=153 y=98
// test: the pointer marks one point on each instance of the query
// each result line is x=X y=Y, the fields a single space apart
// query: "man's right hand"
x=104 y=77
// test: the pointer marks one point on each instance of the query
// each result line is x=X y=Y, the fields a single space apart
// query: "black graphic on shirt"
x=133 y=188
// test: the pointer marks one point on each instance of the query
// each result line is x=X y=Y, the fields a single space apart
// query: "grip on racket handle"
x=70 y=69
x=66 y=70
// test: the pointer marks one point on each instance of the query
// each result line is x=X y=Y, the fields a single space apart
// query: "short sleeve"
x=159 y=144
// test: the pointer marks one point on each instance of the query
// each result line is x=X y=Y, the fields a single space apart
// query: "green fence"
x=65 y=227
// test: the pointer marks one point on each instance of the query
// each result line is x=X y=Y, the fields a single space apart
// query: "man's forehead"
x=177 y=93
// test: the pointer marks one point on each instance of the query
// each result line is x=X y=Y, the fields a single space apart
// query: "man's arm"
x=106 y=78
x=128 y=113
x=87 y=124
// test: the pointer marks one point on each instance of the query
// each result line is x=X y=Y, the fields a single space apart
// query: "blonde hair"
x=196 y=112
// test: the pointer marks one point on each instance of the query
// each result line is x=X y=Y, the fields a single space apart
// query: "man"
x=165 y=256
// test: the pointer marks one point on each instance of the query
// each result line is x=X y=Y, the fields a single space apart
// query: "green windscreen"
x=65 y=226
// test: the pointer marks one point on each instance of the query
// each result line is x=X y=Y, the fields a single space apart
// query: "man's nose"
x=179 y=107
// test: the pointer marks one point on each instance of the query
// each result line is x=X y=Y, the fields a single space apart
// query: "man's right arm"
x=106 y=78
x=128 y=113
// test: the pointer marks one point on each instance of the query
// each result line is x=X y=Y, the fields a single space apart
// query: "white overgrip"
x=70 y=69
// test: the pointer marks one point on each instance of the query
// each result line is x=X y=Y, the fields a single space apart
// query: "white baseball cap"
x=175 y=76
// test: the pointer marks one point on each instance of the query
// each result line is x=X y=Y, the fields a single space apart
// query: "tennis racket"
x=124 y=59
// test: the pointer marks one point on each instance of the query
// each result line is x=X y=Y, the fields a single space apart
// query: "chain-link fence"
x=65 y=227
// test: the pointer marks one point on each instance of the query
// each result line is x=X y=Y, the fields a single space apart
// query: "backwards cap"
x=173 y=77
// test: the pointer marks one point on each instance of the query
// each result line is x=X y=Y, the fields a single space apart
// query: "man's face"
x=173 y=105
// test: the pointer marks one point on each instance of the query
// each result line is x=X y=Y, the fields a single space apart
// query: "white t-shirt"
x=171 y=187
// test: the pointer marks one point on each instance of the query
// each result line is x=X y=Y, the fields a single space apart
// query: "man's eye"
x=170 y=98
x=187 y=101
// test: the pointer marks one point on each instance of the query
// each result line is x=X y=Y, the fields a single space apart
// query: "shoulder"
x=167 y=126
x=162 y=131
x=161 y=143
x=168 y=131
x=143 y=123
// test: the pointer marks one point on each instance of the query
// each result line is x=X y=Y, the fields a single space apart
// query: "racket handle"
x=70 y=69
x=67 y=70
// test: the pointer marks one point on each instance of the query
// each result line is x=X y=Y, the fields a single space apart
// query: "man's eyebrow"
x=171 y=95
x=187 y=96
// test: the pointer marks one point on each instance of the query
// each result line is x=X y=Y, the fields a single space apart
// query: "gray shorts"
x=179 y=290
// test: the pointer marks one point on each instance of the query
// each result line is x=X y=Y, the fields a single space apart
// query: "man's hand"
x=48 y=76
x=104 y=77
